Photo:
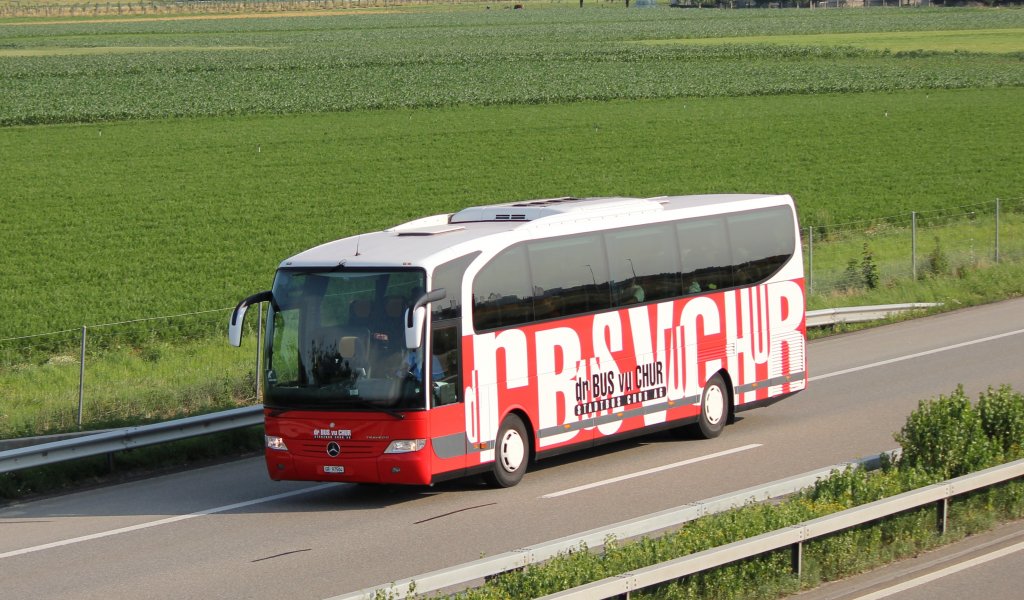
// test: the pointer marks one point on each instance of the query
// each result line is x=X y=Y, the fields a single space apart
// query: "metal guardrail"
x=464 y=575
x=794 y=536
x=132 y=437
x=129 y=437
x=861 y=314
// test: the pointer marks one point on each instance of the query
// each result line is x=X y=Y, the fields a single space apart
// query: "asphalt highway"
x=227 y=531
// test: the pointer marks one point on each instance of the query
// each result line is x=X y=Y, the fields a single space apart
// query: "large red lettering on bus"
x=606 y=373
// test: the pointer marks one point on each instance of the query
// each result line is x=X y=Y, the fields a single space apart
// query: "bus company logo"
x=333 y=449
x=332 y=434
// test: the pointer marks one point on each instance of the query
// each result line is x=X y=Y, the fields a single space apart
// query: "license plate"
x=333 y=469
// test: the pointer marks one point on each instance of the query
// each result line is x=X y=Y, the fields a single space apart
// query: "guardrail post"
x=942 y=507
x=797 y=558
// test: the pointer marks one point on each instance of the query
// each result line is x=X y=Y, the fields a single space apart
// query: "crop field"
x=431 y=59
x=1001 y=41
x=158 y=167
x=182 y=160
x=120 y=221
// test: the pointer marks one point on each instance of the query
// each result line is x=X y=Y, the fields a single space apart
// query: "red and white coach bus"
x=478 y=341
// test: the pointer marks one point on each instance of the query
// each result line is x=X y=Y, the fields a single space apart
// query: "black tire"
x=714 y=407
x=511 y=453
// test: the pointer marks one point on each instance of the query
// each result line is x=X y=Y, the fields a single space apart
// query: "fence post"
x=810 y=259
x=259 y=346
x=81 y=379
x=997 y=231
x=913 y=244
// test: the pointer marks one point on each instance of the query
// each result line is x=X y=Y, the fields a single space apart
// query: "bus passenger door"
x=447 y=410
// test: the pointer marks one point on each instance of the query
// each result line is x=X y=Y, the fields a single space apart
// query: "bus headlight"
x=276 y=443
x=403 y=446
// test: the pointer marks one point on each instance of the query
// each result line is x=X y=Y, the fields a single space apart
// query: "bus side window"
x=502 y=296
x=571 y=271
x=704 y=250
x=449 y=277
x=444 y=369
x=644 y=264
x=763 y=241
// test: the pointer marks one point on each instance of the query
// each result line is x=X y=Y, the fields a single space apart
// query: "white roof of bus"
x=433 y=240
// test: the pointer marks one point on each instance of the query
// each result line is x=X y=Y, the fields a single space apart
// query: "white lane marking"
x=906 y=585
x=916 y=355
x=147 y=525
x=681 y=463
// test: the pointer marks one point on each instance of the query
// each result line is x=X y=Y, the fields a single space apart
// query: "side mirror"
x=416 y=316
x=414 y=332
x=238 y=316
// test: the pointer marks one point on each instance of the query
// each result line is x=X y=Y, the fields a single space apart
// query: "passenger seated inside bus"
x=341 y=359
x=631 y=294
x=359 y=312
x=351 y=350
x=391 y=324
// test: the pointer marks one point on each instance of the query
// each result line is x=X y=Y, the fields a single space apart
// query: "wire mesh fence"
x=848 y=257
x=125 y=373
x=147 y=370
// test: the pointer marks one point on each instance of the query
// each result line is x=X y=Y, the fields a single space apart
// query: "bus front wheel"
x=714 y=407
x=511 y=453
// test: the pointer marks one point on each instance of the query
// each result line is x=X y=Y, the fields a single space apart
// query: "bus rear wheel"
x=511 y=453
x=714 y=407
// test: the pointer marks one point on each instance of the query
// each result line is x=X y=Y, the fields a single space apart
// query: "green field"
x=126 y=220
x=158 y=167
x=82 y=72
x=994 y=41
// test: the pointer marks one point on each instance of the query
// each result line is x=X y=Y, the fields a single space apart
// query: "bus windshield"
x=336 y=341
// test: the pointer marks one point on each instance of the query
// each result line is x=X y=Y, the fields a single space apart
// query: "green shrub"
x=938 y=262
x=868 y=268
x=945 y=437
x=852 y=275
x=1002 y=418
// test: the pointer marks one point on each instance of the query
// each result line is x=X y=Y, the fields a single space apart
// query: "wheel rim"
x=714 y=405
x=513 y=450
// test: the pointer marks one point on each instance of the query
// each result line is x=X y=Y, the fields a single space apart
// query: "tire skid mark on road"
x=281 y=554
x=454 y=512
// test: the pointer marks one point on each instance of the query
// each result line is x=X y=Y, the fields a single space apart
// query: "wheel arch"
x=731 y=417
x=531 y=432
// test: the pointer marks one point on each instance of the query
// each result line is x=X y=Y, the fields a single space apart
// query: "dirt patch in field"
x=275 y=15
x=76 y=51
